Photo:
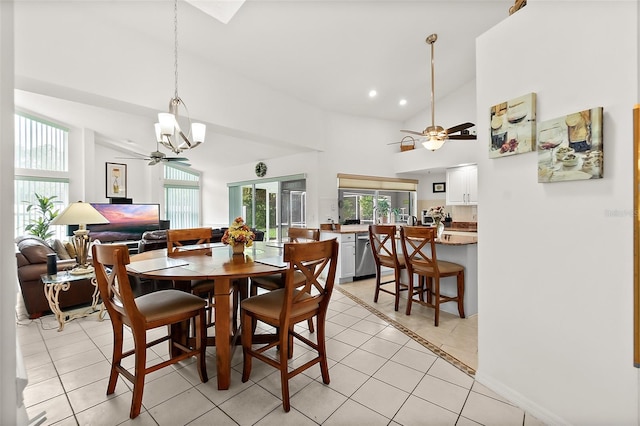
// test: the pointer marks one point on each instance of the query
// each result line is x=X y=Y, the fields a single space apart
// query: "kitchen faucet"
x=376 y=219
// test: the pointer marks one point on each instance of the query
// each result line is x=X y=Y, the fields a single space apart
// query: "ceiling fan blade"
x=413 y=132
x=176 y=158
x=466 y=137
x=459 y=127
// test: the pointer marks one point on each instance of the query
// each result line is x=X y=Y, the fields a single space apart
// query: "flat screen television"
x=127 y=222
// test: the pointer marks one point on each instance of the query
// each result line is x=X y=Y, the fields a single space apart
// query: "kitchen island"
x=453 y=246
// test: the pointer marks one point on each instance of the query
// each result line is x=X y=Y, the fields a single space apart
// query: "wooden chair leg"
x=140 y=342
x=284 y=368
x=117 y=355
x=310 y=325
x=460 y=279
x=437 y=304
x=201 y=345
x=322 y=351
x=246 y=323
x=377 y=293
x=410 y=295
x=396 y=275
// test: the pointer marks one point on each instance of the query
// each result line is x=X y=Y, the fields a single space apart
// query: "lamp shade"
x=79 y=214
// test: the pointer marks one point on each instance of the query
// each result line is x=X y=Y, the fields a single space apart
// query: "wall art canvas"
x=116 y=180
x=570 y=147
x=513 y=127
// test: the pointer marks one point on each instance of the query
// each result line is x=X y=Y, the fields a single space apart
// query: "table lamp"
x=80 y=214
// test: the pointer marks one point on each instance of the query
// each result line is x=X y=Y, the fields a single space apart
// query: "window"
x=181 y=197
x=41 y=167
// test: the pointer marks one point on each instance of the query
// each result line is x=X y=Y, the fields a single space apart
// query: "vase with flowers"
x=438 y=213
x=238 y=236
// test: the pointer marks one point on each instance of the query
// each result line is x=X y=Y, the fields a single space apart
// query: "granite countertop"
x=446 y=239
x=456 y=240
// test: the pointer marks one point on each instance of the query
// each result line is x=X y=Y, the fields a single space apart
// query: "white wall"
x=7 y=250
x=555 y=269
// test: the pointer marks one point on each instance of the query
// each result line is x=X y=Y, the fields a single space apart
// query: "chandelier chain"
x=175 y=45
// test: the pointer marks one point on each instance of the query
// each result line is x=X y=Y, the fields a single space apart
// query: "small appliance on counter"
x=447 y=220
x=427 y=220
x=412 y=221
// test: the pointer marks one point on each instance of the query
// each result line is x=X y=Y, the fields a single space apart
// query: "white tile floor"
x=378 y=376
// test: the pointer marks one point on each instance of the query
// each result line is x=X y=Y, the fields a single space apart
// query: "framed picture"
x=513 y=127
x=570 y=147
x=116 y=180
x=439 y=187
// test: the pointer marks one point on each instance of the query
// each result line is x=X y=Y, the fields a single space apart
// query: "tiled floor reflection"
x=379 y=376
x=455 y=336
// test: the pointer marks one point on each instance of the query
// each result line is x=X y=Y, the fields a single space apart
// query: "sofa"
x=31 y=258
x=153 y=240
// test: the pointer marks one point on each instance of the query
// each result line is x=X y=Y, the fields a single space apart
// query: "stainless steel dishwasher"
x=365 y=265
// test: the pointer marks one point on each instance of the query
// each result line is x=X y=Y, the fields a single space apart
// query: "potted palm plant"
x=47 y=211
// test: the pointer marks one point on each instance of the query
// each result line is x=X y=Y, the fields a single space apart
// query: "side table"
x=62 y=281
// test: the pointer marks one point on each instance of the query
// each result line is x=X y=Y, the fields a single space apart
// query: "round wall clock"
x=261 y=169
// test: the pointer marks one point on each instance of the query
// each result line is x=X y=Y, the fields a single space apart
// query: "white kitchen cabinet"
x=462 y=186
x=346 y=267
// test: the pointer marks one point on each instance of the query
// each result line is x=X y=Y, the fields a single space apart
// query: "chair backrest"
x=110 y=264
x=383 y=245
x=299 y=235
x=419 y=247
x=177 y=238
x=310 y=259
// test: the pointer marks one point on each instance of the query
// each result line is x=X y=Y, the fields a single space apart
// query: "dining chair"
x=177 y=239
x=150 y=311
x=177 y=242
x=276 y=281
x=419 y=247
x=285 y=307
x=385 y=254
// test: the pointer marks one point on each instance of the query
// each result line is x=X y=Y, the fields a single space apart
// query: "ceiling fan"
x=437 y=135
x=157 y=157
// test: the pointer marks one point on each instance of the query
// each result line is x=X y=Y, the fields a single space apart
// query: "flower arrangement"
x=238 y=233
x=437 y=213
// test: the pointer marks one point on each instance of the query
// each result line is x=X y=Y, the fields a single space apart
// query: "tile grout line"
x=424 y=342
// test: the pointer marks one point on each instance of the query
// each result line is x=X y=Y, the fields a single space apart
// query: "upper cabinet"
x=462 y=186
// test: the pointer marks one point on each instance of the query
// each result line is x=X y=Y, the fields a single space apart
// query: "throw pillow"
x=70 y=249
x=60 y=249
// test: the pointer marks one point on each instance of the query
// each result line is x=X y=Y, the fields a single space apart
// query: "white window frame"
x=40 y=133
x=193 y=183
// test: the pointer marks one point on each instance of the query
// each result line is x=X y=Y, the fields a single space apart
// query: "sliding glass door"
x=271 y=205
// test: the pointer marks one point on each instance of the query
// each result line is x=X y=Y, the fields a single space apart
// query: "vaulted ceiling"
x=323 y=53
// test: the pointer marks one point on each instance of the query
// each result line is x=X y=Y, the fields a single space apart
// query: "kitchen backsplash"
x=458 y=213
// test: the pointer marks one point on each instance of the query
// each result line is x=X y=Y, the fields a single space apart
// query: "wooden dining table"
x=221 y=265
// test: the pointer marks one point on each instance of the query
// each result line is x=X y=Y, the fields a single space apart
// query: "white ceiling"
x=327 y=53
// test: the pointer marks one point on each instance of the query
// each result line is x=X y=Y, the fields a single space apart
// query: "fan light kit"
x=168 y=131
x=436 y=136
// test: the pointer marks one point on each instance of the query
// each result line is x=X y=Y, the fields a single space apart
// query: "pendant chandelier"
x=168 y=131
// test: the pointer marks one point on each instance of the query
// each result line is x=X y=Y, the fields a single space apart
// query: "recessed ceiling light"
x=373 y=93
x=402 y=102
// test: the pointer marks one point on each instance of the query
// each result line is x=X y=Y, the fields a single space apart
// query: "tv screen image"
x=127 y=222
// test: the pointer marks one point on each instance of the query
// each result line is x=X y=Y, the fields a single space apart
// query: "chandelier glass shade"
x=169 y=133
